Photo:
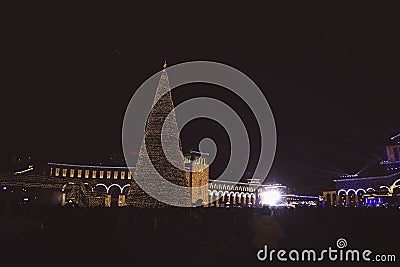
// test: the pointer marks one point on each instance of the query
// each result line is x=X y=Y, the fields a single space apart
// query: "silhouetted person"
x=261 y=229
x=266 y=230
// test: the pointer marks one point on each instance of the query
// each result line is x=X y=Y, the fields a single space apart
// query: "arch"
x=360 y=189
x=352 y=199
x=395 y=182
x=123 y=187
x=231 y=196
x=341 y=190
x=106 y=187
x=236 y=198
x=214 y=193
x=384 y=186
x=240 y=199
x=226 y=197
x=347 y=192
x=221 y=197
x=370 y=189
x=117 y=185
x=359 y=195
x=252 y=198
x=213 y=197
x=342 y=197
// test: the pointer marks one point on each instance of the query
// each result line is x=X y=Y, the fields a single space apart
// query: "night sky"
x=329 y=73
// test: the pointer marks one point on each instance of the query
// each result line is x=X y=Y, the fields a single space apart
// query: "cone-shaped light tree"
x=152 y=162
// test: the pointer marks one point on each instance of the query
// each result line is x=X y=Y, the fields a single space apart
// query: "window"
x=108 y=174
x=57 y=171
x=86 y=173
x=79 y=173
x=129 y=175
x=101 y=174
x=122 y=175
x=115 y=174
x=71 y=173
x=94 y=174
x=64 y=172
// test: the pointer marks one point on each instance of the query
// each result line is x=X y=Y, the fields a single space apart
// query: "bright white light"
x=270 y=198
x=4 y=187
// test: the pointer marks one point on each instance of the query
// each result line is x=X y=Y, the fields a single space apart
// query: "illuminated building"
x=108 y=183
x=197 y=174
x=392 y=153
x=378 y=189
x=98 y=185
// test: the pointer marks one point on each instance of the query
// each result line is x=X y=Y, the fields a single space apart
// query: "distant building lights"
x=270 y=198
x=349 y=175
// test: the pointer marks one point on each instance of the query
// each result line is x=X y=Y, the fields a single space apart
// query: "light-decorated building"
x=379 y=188
x=109 y=185
x=99 y=185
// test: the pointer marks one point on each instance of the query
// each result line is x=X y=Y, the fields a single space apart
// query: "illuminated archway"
x=342 y=198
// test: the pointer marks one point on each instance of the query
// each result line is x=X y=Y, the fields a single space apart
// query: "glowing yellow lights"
x=151 y=144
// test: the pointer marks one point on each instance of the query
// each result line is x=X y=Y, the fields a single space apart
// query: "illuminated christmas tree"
x=152 y=161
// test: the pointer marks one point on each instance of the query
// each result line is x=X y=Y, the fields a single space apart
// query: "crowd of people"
x=190 y=237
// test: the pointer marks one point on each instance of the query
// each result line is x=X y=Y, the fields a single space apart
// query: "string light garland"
x=152 y=161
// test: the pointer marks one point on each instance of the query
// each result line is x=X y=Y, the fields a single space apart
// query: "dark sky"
x=330 y=74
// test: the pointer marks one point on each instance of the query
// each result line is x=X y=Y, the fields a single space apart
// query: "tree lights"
x=152 y=161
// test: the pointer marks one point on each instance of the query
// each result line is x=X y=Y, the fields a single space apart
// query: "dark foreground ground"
x=183 y=237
